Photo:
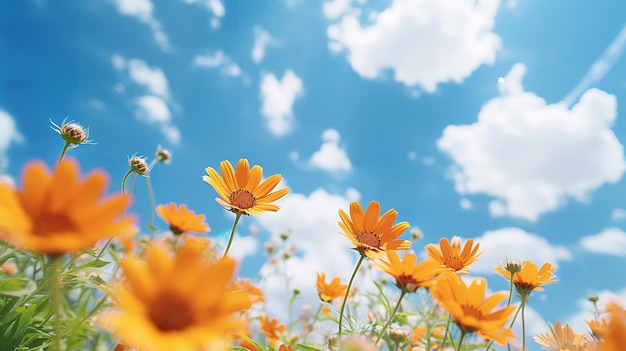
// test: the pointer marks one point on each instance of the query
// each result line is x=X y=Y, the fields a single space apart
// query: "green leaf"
x=17 y=286
x=303 y=347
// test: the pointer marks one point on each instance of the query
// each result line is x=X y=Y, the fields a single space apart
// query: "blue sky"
x=496 y=120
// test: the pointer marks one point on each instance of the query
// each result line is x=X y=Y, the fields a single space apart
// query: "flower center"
x=453 y=262
x=170 y=312
x=242 y=199
x=473 y=311
x=407 y=283
x=176 y=230
x=368 y=238
x=48 y=223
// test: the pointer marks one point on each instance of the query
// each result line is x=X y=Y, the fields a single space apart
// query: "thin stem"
x=232 y=233
x=445 y=334
x=393 y=314
x=124 y=181
x=523 y=323
x=65 y=148
x=55 y=297
x=510 y=289
x=463 y=333
x=152 y=206
x=345 y=298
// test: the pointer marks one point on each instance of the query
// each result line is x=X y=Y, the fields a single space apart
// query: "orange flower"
x=240 y=189
x=598 y=327
x=181 y=219
x=56 y=213
x=328 y=292
x=170 y=303
x=529 y=278
x=272 y=329
x=284 y=347
x=562 y=337
x=409 y=274
x=614 y=337
x=449 y=255
x=370 y=233
x=256 y=294
x=472 y=311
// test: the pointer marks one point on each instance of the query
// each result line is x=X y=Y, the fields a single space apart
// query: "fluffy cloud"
x=141 y=10
x=218 y=60
x=152 y=78
x=335 y=8
x=330 y=157
x=278 y=98
x=610 y=241
x=214 y=6
x=516 y=244
x=424 y=42
x=261 y=40
x=531 y=156
x=8 y=135
x=618 y=214
x=153 y=109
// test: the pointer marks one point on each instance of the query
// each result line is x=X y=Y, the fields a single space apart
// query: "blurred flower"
x=598 y=327
x=9 y=268
x=176 y=303
x=449 y=255
x=614 y=337
x=272 y=329
x=328 y=292
x=139 y=165
x=256 y=294
x=181 y=219
x=358 y=342
x=56 y=213
x=284 y=347
x=529 y=278
x=420 y=334
x=163 y=155
x=240 y=189
x=409 y=274
x=370 y=233
x=72 y=133
x=472 y=311
x=562 y=337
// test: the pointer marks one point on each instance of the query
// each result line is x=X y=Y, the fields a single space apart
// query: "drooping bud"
x=139 y=165
x=163 y=155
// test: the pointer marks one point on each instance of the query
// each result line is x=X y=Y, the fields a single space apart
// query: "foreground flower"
x=408 y=273
x=181 y=219
x=333 y=290
x=472 y=311
x=371 y=233
x=614 y=336
x=562 y=337
x=450 y=255
x=56 y=212
x=242 y=190
x=284 y=347
x=272 y=329
x=176 y=303
x=530 y=278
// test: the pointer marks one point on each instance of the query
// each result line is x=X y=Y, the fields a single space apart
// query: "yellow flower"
x=409 y=274
x=370 y=233
x=598 y=327
x=472 y=311
x=180 y=302
x=284 y=347
x=181 y=219
x=242 y=189
x=256 y=294
x=614 y=336
x=56 y=213
x=449 y=255
x=562 y=337
x=272 y=329
x=328 y=292
x=529 y=278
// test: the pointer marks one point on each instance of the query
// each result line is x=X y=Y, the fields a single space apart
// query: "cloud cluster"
x=278 y=97
x=531 y=156
x=141 y=10
x=610 y=241
x=8 y=135
x=219 y=60
x=424 y=42
x=215 y=7
x=261 y=40
x=331 y=157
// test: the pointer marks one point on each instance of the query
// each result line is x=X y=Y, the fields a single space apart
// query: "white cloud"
x=610 y=241
x=214 y=6
x=219 y=60
x=142 y=11
x=152 y=78
x=335 y=8
x=171 y=133
x=532 y=156
x=261 y=40
x=153 y=109
x=278 y=98
x=618 y=214
x=424 y=42
x=8 y=135
x=330 y=157
x=516 y=244
x=465 y=204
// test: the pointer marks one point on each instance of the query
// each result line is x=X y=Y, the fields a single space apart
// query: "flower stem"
x=463 y=333
x=445 y=334
x=65 y=148
x=152 y=206
x=508 y=303
x=124 y=180
x=393 y=314
x=232 y=233
x=55 y=296
x=345 y=298
x=523 y=323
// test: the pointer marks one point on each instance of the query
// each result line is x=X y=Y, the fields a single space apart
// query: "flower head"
x=139 y=165
x=562 y=337
x=284 y=347
x=471 y=309
x=176 y=302
x=450 y=255
x=614 y=336
x=333 y=290
x=371 y=233
x=530 y=278
x=163 y=155
x=72 y=133
x=242 y=190
x=408 y=273
x=272 y=329
x=181 y=219
x=57 y=212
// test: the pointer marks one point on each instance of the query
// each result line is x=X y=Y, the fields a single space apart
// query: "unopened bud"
x=138 y=165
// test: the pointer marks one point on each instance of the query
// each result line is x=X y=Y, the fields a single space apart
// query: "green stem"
x=445 y=334
x=393 y=314
x=523 y=323
x=152 y=207
x=56 y=296
x=232 y=233
x=463 y=333
x=345 y=298
x=510 y=289
x=65 y=148
x=124 y=181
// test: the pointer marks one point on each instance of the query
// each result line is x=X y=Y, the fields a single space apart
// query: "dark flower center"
x=48 y=223
x=169 y=312
x=453 y=262
x=473 y=311
x=242 y=199
x=369 y=238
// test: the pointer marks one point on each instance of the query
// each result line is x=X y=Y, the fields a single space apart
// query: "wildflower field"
x=79 y=273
